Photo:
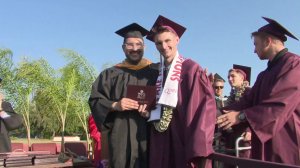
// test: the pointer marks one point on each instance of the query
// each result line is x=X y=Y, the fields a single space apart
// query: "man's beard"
x=134 y=57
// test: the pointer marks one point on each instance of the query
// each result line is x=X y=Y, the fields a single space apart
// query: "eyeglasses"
x=131 y=45
x=219 y=87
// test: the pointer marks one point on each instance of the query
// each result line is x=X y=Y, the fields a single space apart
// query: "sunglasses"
x=219 y=87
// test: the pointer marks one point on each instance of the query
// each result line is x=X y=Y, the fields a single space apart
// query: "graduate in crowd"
x=272 y=107
x=218 y=86
x=9 y=120
x=183 y=122
x=119 y=115
x=221 y=101
x=96 y=141
x=239 y=80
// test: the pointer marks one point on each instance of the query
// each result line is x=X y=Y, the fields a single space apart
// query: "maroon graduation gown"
x=190 y=133
x=273 y=112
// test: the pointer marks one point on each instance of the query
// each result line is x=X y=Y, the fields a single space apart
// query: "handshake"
x=230 y=118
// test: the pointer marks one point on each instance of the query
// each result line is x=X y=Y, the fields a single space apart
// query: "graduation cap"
x=245 y=70
x=162 y=22
x=133 y=30
x=218 y=77
x=276 y=29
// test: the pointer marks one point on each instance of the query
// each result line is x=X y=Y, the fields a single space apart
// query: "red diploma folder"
x=142 y=94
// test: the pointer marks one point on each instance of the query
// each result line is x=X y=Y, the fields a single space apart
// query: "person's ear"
x=268 y=41
x=123 y=47
x=177 y=40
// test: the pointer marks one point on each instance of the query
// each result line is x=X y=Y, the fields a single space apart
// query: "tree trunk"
x=28 y=137
x=62 y=149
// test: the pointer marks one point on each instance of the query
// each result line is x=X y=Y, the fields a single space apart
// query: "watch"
x=242 y=116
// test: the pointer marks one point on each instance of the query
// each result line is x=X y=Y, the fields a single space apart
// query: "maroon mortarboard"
x=218 y=77
x=132 y=30
x=245 y=70
x=161 y=21
x=276 y=29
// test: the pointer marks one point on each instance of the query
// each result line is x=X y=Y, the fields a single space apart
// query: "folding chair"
x=240 y=148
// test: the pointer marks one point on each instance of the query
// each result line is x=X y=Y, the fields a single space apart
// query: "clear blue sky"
x=218 y=32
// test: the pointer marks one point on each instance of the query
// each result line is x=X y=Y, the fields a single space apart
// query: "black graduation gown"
x=8 y=124
x=127 y=130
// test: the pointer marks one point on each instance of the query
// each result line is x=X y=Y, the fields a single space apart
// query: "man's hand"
x=228 y=119
x=209 y=75
x=2 y=113
x=143 y=112
x=247 y=136
x=125 y=104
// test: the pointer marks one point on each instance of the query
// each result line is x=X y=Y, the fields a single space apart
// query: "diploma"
x=142 y=94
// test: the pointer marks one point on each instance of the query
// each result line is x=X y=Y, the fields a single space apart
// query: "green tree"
x=6 y=66
x=45 y=96
x=85 y=75
x=31 y=77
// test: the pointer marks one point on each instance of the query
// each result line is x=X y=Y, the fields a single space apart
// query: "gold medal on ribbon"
x=163 y=124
